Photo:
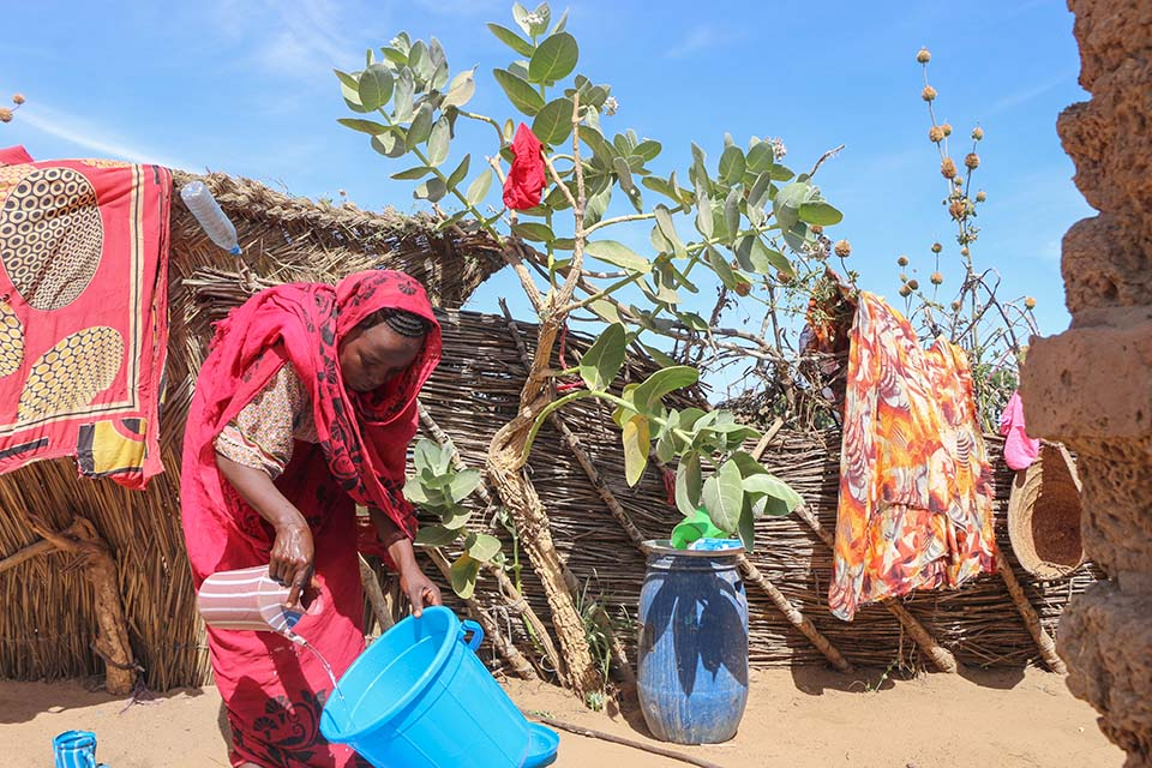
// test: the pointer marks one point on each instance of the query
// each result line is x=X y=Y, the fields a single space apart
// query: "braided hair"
x=404 y=323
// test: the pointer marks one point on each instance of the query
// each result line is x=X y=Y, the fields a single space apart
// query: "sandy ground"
x=803 y=719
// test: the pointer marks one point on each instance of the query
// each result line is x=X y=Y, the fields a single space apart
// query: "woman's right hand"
x=293 y=558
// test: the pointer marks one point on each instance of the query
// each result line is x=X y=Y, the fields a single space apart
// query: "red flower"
x=526 y=178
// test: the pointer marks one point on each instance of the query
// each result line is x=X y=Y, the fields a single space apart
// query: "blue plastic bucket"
x=419 y=697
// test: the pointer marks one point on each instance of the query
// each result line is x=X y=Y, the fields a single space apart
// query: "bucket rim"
x=450 y=637
x=664 y=547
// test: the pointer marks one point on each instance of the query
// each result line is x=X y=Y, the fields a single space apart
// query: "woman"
x=304 y=409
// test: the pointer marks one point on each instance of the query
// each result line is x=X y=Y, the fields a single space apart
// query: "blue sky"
x=245 y=86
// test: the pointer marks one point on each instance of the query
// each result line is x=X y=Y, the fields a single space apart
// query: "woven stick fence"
x=46 y=624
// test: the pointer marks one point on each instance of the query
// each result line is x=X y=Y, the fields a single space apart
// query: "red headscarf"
x=363 y=437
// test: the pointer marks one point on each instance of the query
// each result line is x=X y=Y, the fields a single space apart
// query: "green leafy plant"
x=731 y=221
x=440 y=489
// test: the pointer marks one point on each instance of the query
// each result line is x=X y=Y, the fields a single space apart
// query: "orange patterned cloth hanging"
x=915 y=506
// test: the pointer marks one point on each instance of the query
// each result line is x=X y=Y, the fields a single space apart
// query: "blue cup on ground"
x=75 y=749
x=420 y=697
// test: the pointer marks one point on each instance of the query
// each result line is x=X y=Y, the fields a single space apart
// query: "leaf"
x=732 y=215
x=781 y=498
x=648 y=395
x=455 y=518
x=747 y=528
x=421 y=127
x=375 y=87
x=463 y=576
x=554 y=59
x=732 y=165
x=656 y=184
x=522 y=95
x=761 y=158
x=479 y=187
x=352 y=82
x=754 y=256
x=597 y=143
x=603 y=360
x=758 y=195
x=438 y=140
x=350 y=90
x=553 y=123
x=704 y=223
x=434 y=536
x=520 y=15
x=512 y=40
x=531 y=230
x=397 y=57
x=668 y=229
x=420 y=60
x=724 y=497
x=786 y=205
x=636 y=448
x=748 y=465
x=464 y=483
x=543 y=16
x=432 y=190
x=820 y=213
x=371 y=127
x=418 y=172
x=484 y=547
x=619 y=255
x=461 y=171
x=390 y=144
x=403 y=100
x=414 y=491
x=688 y=483
x=461 y=90
x=623 y=174
x=562 y=23
x=648 y=149
x=596 y=205
x=722 y=269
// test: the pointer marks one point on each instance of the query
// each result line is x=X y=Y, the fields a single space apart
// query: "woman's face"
x=370 y=358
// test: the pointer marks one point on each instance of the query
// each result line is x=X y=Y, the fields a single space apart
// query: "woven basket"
x=1044 y=513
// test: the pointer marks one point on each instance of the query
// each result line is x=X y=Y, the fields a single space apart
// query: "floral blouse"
x=263 y=433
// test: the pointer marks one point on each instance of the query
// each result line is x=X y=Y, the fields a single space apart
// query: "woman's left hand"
x=420 y=590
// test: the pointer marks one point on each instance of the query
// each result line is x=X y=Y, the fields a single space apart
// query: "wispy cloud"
x=1024 y=95
x=94 y=138
x=698 y=39
x=465 y=7
x=299 y=40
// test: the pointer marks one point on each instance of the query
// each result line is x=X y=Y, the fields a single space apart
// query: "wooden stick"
x=41 y=547
x=594 y=734
x=940 y=656
x=92 y=552
x=619 y=655
x=375 y=595
x=1031 y=619
x=795 y=617
x=505 y=648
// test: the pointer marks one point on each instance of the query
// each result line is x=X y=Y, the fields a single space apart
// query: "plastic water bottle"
x=213 y=220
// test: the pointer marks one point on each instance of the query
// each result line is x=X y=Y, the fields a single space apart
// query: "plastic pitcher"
x=420 y=698
x=250 y=599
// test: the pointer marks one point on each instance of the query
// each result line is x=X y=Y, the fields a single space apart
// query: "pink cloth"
x=1019 y=449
